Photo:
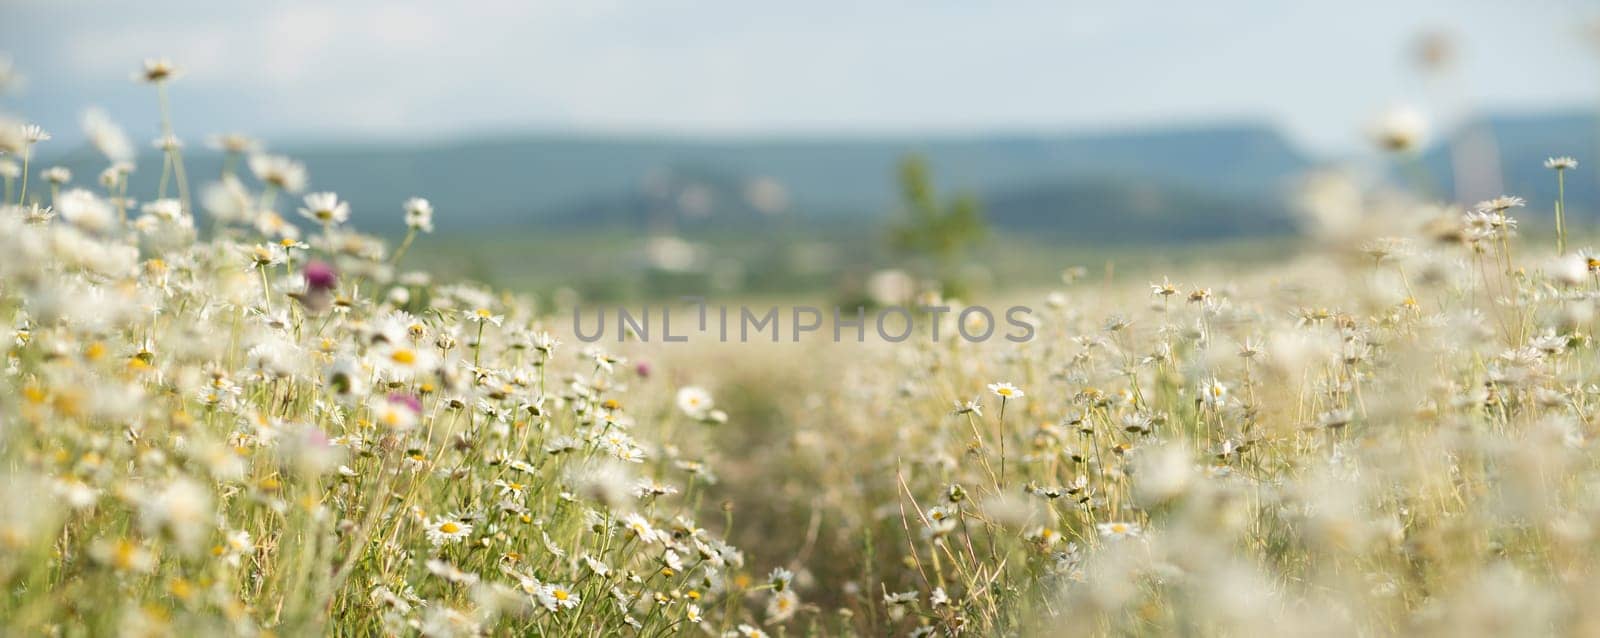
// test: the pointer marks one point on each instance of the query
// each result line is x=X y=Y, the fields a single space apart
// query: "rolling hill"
x=1225 y=180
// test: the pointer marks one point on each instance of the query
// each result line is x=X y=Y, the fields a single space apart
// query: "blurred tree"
x=936 y=232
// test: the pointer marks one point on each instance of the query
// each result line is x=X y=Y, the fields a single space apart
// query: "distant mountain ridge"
x=1523 y=143
x=1213 y=180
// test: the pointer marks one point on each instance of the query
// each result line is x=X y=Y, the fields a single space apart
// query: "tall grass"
x=259 y=430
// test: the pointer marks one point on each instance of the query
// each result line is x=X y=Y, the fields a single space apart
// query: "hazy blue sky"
x=403 y=69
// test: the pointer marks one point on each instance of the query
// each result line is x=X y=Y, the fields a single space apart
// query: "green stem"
x=411 y=235
x=174 y=154
x=477 y=345
x=1561 y=208
x=1002 y=442
x=266 y=288
x=26 y=154
x=122 y=200
x=166 y=175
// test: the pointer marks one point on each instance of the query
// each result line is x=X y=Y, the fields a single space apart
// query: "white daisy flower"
x=445 y=530
x=556 y=597
x=1117 y=530
x=325 y=209
x=694 y=401
x=1005 y=390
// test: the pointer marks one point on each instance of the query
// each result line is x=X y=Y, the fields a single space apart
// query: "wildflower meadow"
x=226 y=411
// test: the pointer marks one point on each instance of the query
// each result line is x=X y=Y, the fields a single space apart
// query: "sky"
x=406 y=70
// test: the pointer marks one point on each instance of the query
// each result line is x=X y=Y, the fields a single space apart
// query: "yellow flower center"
x=123 y=555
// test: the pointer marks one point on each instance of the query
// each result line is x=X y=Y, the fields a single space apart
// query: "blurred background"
x=632 y=150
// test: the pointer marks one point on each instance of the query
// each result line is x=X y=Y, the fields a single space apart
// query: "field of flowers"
x=216 y=422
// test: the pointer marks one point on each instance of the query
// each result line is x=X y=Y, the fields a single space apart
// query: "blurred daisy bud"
x=181 y=510
x=1574 y=315
x=410 y=401
x=1400 y=128
x=83 y=209
x=1162 y=473
x=419 y=214
x=310 y=451
x=394 y=413
x=156 y=70
x=890 y=287
x=1330 y=204
x=320 y=276
x=281 y=172
x=106 y=136
x=320 y=280
x=56 y=175
x=1568 y=270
